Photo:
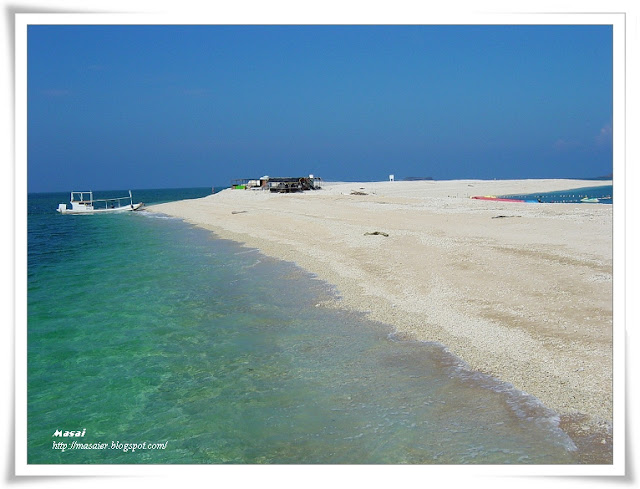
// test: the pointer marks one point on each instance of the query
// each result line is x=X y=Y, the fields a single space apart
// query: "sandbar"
x=521 y=291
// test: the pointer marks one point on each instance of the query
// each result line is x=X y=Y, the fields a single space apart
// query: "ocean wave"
x=524 y=405
x=156 y=215
x=244 y=252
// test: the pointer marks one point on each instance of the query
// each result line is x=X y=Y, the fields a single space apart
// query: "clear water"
x=603 y=193
x=143 y=329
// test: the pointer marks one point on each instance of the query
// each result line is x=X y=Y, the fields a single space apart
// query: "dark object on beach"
x=292 y=184
x=498 y=217
x=376 y=233
x=278 y=184
x=238 y=212
x=357 y=192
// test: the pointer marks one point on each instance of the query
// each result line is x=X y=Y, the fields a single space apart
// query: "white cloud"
x=55 y=92
x=565 y=145
x=605 y=136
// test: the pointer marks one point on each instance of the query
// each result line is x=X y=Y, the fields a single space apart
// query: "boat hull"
x=127 y=208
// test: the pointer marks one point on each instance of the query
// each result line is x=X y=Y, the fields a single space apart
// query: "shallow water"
x=603 y=193
x=143 y=329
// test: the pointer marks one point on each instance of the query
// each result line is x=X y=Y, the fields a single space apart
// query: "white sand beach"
x=520 y=291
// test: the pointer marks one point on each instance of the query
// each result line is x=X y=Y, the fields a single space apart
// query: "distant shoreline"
x=220 y=186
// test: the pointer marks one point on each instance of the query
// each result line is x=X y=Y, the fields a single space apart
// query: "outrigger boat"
x=84 y=203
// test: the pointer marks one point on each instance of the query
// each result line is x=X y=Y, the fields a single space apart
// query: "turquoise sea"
x=604 y=194
x=144 y=330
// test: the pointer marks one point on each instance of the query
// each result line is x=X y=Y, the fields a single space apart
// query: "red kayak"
x=498 y=199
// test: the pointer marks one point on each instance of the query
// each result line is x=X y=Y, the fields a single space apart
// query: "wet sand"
x=520 y=291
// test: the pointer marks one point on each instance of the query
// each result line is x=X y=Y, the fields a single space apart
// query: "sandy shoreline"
x=520 y=291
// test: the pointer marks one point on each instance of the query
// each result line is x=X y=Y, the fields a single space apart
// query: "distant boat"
x=591 y=200
x=84 y=203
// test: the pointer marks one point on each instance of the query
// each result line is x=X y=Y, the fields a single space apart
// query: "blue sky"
x=118 y=107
